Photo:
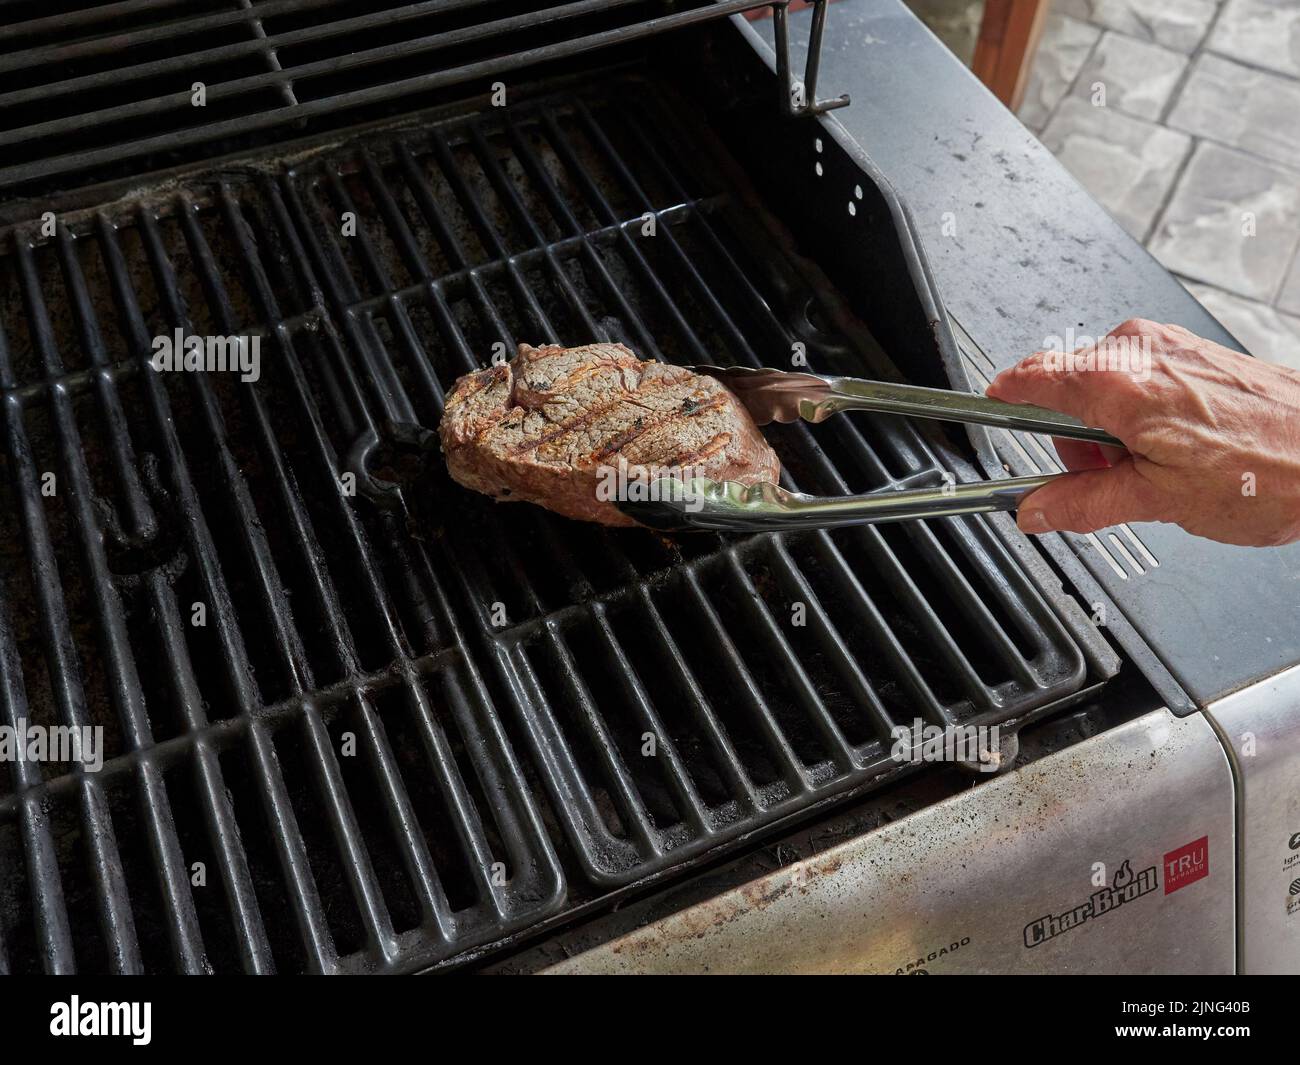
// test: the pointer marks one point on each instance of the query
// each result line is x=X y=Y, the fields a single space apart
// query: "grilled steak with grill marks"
x=549 y=426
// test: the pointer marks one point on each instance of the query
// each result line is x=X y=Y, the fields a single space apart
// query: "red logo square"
x=1187 y=864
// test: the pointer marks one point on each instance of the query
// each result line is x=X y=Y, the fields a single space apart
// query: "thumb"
x=1091 y=500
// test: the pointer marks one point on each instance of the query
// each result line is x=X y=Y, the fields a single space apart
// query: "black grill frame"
x=366 y=374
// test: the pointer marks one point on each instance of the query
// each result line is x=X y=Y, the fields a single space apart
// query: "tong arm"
x=782 y=396
x=733 y=507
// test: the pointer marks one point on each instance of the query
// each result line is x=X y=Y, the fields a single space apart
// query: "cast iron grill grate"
x=441 y=636
x=532 y=228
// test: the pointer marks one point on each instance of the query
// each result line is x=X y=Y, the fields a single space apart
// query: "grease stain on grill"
x=69 y=818
x=256 y=839
x=302 y=780
x=20 y=949
x=408 y=734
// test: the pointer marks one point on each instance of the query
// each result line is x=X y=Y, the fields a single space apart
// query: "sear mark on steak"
x=542 y=427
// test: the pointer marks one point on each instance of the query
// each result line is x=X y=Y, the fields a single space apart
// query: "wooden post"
x=1009 y=34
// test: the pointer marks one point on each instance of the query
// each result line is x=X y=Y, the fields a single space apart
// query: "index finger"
x=1081 y=383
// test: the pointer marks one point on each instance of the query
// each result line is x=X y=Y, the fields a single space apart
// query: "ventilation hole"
x=817 y=144
x=818 y=168
x=853 y=207
x=857 y=191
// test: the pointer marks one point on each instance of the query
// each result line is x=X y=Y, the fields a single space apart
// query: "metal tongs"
x=781 y=396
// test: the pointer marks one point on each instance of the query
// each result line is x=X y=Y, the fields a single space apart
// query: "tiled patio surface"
x=1182 y=117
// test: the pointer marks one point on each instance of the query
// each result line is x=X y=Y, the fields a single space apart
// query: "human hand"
x=1212 y=437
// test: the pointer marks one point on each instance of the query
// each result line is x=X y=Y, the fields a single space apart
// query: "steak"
x=552 y=425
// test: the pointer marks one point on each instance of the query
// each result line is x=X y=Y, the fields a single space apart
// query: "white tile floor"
x=1182 y=117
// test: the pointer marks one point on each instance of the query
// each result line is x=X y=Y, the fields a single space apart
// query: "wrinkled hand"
x=1213 y=440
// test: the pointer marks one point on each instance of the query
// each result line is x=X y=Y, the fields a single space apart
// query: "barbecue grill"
x=355 y=718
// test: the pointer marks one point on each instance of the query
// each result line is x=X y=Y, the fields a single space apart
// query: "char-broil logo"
x=1188 y=864
x=1125 y=887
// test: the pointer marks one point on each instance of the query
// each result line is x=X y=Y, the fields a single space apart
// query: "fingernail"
x=1032 y=521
